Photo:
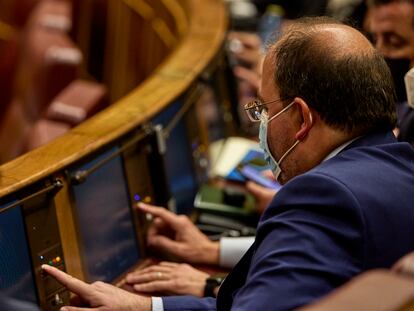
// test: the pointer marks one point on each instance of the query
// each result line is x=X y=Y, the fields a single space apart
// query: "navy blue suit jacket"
x=11 y=304
x=349 y=214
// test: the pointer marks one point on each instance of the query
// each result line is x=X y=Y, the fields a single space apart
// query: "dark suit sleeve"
x=188 y=303
x=308 y=242
x=7 y=303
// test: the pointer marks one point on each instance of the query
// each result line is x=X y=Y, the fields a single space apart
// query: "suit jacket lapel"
x=236 y=279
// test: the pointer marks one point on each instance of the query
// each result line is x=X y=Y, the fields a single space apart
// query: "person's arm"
x=246 y=50
x=262 y=195
x=178 y=236
x=309 y=241
x=8 y=303
x=169 y=278
x=99 y=294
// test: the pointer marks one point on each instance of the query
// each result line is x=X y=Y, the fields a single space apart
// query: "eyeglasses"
x=255 y=108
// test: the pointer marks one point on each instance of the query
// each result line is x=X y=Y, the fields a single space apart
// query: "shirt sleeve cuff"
x=157 y=304
x=232 y=249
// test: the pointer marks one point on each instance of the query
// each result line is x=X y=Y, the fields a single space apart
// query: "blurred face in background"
x=392 y=29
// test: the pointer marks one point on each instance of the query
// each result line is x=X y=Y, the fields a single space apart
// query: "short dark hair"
x=352 y=92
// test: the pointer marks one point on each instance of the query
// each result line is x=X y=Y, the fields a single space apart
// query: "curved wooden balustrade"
x=205 y=27
x=191 y=49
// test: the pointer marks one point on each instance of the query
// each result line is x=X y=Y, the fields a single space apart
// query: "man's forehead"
x=394 y=11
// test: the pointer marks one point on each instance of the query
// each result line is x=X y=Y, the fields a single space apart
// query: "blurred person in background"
x=390 y=24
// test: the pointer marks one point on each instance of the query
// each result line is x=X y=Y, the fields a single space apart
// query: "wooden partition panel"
x=156 y=53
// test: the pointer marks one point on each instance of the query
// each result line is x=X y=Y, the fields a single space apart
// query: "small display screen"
x=16 y=277
x=179 y=162
x=103 y=208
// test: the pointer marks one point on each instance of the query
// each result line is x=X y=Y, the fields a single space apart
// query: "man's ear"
x=306 y=118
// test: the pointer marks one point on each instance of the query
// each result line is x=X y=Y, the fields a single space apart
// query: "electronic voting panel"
x=107 y=232
x=185 y=155
x=29 y=237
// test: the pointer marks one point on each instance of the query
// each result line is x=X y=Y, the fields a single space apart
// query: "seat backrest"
x=77 y=102
x=49 y=62
x=52 y=14
x=9 y=55
x=13 y=129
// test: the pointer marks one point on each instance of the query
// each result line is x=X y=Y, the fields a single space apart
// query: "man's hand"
x=169 y=278
x=405 y=265
x=178 y=236
x=262 y=194
x=245 y=48
x=100 y=296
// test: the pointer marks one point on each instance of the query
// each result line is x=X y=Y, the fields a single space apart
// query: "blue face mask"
x=274 y=165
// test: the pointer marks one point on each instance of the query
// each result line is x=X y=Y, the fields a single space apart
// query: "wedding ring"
x=158 y=275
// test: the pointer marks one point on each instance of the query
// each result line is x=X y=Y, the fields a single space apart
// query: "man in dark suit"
x=391 y=26
x=327 y=113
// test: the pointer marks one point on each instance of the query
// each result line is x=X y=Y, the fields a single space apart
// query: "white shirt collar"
x=339 y=149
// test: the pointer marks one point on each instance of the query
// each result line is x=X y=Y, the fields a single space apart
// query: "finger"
x=157 y=225
x=155 y=286
x=405 y=266
x=164 y=243
x=248 y=57
x=268 y=174
x=139 y=278
x=248 y=39
x=148 y=275
x=262 y=194
x=259 y=191
x=74 y=285
x=248 y=75
x=169 y=264
x=154 y=268
x=160 y=212
x=67 y=308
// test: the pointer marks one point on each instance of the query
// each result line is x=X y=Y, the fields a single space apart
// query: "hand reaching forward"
x=99 y=296
x=178 y=236
x=262 y=195
x=169 y=278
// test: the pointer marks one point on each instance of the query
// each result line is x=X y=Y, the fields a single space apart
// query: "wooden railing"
x=183 y=47
x=196 y=49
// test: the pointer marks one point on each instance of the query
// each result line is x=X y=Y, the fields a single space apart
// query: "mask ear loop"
x=296 y=142
x=287 y=152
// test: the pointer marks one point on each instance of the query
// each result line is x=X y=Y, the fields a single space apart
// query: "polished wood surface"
x=197 y=48
x=67 y=232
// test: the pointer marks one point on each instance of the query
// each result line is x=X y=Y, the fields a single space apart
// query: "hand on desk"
x=99 y=296
x=169 y=278
x=177 y=235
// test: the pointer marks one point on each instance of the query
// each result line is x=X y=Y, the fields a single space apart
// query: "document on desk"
x=226 y=154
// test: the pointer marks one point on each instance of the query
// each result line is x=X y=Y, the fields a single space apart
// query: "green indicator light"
x=50 y=263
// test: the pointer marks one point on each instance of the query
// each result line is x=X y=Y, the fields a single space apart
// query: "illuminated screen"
x=16 y=278
x=108 y=240
x=179 y=162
